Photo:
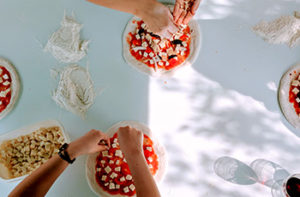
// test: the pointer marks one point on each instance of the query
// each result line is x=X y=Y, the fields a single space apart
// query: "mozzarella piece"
x=117 y=186
x=112 y=186
x=102 y=161
x=162 y=44
x=105 y=153
x=124 y=160
x=111 y=162
x=151 y=62
x=144 y=44
x=4 y=93
x=106 y=184
x=160 y=63
x=113 y=175
x=145 y=54
x=150 y=166
x=148 y=147
x=182 y=53
x=6 y=83
x=122 y=179
x=5 y=76
x=138 y=49
x=114 y=145
x=0 y=102
x=119 y=153
x=116 y=140
x=176 y=58
x=107 y=169
x=297 y=100
x=132 y=187
x=103 y=178
x=295 y=83
x=118 y=169
x=151 y=54
x=125 y=189
x=128 y=177
x=184 y=44
x=295 y=90
x=137 y=36
x=118 y=162
x=143 y=25
x=140 y=53
x=98 y=169
x=150 y=159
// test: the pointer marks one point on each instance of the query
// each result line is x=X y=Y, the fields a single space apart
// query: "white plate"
x=27 y=130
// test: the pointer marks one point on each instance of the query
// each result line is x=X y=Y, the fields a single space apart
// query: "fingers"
x=187 y=18
x=176 y=11
x=195 y=6
x=181 y=17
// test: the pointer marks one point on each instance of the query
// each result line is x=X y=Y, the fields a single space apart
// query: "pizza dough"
x=159 y=150
x=75 y=90
x=15 y=86
x=195 y=46
x=283 y=95
x=65 y=44
x=283 y=30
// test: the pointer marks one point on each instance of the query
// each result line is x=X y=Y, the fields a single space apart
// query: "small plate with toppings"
x=25 y=149
x=9 y=87
x=150 y=54
x=108 y=173
x=289 y=95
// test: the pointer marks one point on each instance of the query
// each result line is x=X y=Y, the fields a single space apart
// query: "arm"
x=131 y=142
x=39 y=182
x=157 y=16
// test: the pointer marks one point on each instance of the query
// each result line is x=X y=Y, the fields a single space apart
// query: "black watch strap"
x=64 y=154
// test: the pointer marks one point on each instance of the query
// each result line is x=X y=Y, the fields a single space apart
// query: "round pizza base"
x=195 y=46
x=286 y=106
x=15 y=86
x=158 y=148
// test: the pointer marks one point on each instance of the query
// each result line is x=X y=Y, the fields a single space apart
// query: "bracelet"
x=64 y=154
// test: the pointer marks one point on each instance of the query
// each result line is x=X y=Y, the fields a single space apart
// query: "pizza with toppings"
x=289 y=95
x=108 y=173
x=9 y=87
x=158 y=56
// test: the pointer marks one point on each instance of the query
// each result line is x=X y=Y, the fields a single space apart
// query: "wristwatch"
x=64 y=154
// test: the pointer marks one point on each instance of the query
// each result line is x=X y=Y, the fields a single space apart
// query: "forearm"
x=40 y=181
x=142 y=177
x=138 y=8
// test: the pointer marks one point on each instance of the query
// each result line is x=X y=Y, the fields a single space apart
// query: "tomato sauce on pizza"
x=294 y=94
x=112 y=171
x=5 y=88
x=158 y=53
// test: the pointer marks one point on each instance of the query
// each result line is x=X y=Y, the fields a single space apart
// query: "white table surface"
x=225 y=104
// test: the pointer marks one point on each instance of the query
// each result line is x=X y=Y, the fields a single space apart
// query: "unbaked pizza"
x=289 y=95
x=5 y=88
x=112 y=171
x=9 y=87
x=156 y=56
x=107 y=172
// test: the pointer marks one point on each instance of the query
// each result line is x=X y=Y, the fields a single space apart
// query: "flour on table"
x=65 y=44
x=75 y=89
x=283 y=30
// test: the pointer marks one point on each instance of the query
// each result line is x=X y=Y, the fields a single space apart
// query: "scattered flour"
x=75 y=91
x=284 y=30
x=65 y=44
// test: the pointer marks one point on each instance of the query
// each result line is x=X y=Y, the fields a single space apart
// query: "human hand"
x=159 y=20
x=130 y=140
x=93 y=141
x=184 y=10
